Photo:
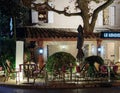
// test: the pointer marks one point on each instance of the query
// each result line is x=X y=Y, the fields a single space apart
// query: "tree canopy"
x=15 y=10
x=83 y=8
x=11 y=8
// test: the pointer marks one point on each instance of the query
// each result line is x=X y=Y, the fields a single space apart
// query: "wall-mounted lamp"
x=99 y=49
x=40 y=50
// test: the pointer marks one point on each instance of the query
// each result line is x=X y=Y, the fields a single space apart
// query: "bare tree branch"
x=100 y=8
x=89 y=19
x=57 y=11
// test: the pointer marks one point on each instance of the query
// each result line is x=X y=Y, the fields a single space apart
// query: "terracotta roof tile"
x=35 y=32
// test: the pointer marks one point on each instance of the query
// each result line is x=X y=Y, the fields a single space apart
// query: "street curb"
x=61 y=86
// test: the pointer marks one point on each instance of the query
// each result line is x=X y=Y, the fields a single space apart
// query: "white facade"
x=60 y=21
x=114 y=11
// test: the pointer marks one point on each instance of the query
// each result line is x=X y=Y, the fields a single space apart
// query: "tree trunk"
x=88 y=26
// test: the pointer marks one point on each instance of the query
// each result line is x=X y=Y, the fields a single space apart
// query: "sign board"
x=114 y=35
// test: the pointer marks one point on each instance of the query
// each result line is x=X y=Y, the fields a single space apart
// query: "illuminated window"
x=43 y=16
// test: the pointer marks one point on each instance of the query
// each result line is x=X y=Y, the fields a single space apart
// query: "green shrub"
x=59 y=59
x=91 y=61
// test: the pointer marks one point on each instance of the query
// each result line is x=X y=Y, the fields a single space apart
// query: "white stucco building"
x=107 y=19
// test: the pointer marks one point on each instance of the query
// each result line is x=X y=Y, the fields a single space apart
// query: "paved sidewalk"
x=60 y=84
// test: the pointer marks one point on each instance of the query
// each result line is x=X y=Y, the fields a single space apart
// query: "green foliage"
x=7 y=51
x=91 y=60
x=59 y=59
x=15 y=10
x=11 y=7
x=28 y=54
x=4 y=25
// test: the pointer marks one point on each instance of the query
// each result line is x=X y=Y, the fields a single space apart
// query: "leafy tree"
x=4 y=26
x=15 y=10
x=9 y=9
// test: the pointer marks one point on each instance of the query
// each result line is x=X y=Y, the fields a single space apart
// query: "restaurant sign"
x=110 y=34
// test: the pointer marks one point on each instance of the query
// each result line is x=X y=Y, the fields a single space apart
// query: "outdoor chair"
x=81 y=75
x=10 y=72
x=28 y=70
x=78 y=73
x=63 y=72
x=2 y=74
x=103 y=71
x=38 y=72
x=57 y=74
x=115 y=69
x=118 y=70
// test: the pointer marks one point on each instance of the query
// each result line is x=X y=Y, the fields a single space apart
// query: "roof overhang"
x=50 y=33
